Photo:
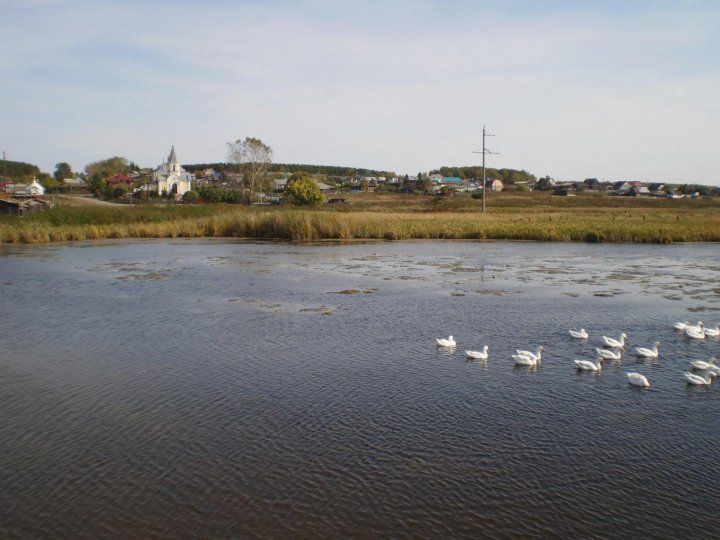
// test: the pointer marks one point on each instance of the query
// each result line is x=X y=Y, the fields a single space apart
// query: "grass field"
x=515 y=216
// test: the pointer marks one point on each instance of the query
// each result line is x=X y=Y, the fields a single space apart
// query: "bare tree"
x=253 y=157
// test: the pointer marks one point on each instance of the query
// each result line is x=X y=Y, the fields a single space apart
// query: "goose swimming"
x=580 y=334
x=691 y=378
x=636 y=379
x=617 y=343
x=648 y=353
x=478 y=355
x=607 y=354
x=537 y=355
x=699 y=327
x=701 y=364
x=691 y=332
x=713 y=332
x=587 y=365
x=449 y=342
x=524 y=360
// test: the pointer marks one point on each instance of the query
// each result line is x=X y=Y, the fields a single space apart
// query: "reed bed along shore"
x=657 y=225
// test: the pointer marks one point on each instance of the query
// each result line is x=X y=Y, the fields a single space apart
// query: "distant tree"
x=108 y=167
x=544 y=184
x=119 y=192
x=424 y=183
x=98 y=184
x=48 y=182
x=19 y=170
x=364 y=184
x=62 y=170
x=190 y=197
x=303 y=189
x=253 y=157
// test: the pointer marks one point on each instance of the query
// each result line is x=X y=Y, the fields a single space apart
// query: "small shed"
x=21 y=207
x=565 y=191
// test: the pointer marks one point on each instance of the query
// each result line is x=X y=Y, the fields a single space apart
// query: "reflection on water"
x=211 y=389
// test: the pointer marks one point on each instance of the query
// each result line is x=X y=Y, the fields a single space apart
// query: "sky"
x=608 y=89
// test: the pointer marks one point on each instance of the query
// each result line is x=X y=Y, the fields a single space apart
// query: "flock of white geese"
x=612 y=350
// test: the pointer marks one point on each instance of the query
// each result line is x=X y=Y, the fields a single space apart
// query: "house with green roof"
x=454 y=181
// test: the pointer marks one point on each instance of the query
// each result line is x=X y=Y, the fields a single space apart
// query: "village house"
x=208 y=177
x=120 y=179
x=74 y=182
x=451 y=181
x=657 y=188
x=494 y=185
x=565 y=190
x=592 y=183
x=623 y=187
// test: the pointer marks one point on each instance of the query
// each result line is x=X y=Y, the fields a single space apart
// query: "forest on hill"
x=18 y=169
x=508 y=176
x=328 y=170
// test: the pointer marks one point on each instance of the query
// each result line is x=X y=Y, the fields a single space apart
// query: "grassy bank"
x=435 y=220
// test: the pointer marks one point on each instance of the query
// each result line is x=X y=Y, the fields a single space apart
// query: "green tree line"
x=327 y=170
x=19 y=170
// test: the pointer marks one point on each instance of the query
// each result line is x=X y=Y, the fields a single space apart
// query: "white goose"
x=695 y=327
x=587 y=365
x=681 y=325
x=523 y=360
x=713 y=331
x=580 y=334
x=701 y=364
x=636 y=379
x=691 y=378
x=607 y=354
x=693 y=333
x=449 y=342
x=617 y=343
x=478 y=355
x=648 y=353
x=537 y=355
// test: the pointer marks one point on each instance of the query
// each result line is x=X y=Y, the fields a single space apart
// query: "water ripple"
x=175 y=412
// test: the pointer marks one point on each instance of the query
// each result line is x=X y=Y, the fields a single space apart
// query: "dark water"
x=234 y=390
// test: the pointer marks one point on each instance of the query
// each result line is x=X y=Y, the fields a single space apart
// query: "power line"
x=484 y=151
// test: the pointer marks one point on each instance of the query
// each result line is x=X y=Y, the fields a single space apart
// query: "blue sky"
x=574 y=89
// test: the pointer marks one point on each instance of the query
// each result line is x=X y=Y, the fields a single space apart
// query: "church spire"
x=173 y=158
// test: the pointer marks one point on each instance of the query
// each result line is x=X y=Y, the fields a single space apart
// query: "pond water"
x=202 y=389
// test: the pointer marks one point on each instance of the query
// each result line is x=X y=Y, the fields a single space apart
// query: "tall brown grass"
x=599 y=224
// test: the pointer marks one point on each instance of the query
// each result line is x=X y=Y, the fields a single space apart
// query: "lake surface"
x=202 y=389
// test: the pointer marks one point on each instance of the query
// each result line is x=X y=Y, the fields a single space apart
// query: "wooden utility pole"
x=483 y=152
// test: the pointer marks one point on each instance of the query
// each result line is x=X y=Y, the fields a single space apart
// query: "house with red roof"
x=120 y=179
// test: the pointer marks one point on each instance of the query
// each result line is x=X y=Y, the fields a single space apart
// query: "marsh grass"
x=438 y=218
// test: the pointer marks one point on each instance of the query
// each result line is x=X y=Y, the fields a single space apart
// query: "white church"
x=171 y=178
